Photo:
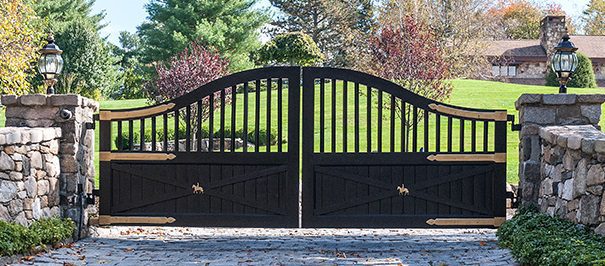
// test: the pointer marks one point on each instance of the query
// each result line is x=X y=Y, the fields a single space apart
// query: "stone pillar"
x=73 y=114
x=539 y=110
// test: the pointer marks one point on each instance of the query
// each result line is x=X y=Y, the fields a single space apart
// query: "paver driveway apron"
x=221 y=246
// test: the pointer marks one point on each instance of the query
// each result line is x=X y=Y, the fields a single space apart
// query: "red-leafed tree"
x=187 y=71
x=408 y=54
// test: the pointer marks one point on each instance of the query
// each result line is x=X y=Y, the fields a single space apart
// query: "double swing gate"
x=373 y=155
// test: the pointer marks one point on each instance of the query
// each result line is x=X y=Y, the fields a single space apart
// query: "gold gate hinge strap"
x=108 y=219
x=492 y=157
x=496 y=221
x=118 y=114
x=106 y=156
x=489 y=115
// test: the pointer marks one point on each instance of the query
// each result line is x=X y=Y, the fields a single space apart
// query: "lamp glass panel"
x=59 y=64
x=555 y=64
x=51 y=63
x=566 y=62
x=575 y=62
x=42 y=64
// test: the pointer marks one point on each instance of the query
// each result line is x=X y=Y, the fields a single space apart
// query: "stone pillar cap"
x=558 y=99
x=51 y=100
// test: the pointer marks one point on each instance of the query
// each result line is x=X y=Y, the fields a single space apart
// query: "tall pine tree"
x=335 y=25
x=231 y=27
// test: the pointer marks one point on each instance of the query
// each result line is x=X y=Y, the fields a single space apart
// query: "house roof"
x=531 y=50
x=591 y=46
x=515 y=48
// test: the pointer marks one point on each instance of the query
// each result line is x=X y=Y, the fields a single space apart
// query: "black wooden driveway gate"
x=373 y=155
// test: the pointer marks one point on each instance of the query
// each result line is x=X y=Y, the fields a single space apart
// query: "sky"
x=126 y=15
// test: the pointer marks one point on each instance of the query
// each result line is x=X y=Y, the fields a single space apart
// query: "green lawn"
x=467 y=93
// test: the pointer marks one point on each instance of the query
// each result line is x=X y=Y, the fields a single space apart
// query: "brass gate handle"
x=403 y=191
x=197 y=189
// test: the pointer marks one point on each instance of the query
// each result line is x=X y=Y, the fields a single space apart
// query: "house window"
x=504 y=71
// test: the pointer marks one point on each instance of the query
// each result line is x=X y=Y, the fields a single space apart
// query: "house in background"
x=527 y=61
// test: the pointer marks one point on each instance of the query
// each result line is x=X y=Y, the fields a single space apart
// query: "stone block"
x=526 y=99
x=546 y=187
x=13 y=137
x=33 y=99
x=36 y=160
x=31 y=187
x=559 y=99
x=531 y=170
x=574 y=142
x=591 y=112
x=49 y=134
x=16 y=176
x=579 y=178
x=602 y=209
x=43 y=187
x=36 y=135
x=599 y=146
x=591 y=98
x=600 y=230
x=588 y=145
x=568 y=190
x=6 y=162
x=8 y=100
x=66 y=100
x=589 y=209
x=570 y=115
x=595 y=175
x=8 y=191
x=538 y=115
x=595 y=190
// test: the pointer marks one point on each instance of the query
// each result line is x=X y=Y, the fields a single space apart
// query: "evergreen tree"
x=89 y=65
x=231 y=27
x=594 y=18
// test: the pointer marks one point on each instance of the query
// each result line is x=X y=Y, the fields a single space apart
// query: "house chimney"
x=552 y=29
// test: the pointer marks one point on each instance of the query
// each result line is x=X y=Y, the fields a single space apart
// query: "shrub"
x=584 y=77
x=203 y=134
x=538 y=239
x=53 y=230
x=17 y=239
x=293 y=48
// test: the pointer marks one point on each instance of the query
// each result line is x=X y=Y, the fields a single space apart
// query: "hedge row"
x=204 y=134
x=18 y=239
x=538 y=239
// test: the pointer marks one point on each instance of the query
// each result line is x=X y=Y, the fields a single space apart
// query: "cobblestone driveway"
x=221 y=246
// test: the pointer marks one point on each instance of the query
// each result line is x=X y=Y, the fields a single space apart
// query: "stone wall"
x=536 y=111
x=73 y=114
x=29 y=172
x=572 y=174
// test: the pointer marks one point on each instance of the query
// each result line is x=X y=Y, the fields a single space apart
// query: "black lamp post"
x=50 y=63
x=564 y=62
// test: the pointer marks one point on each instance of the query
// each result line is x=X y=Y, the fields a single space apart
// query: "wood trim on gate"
x=494 y=157
x=496 y=221
x=108 y=219
x=115 y=115
x=496 y=115
x=106 y=156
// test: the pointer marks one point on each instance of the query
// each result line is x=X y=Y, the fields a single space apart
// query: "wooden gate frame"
x=107 y=156
x=498 y=157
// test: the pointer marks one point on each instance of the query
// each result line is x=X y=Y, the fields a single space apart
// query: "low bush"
x=538 y=239
x=18 y=239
